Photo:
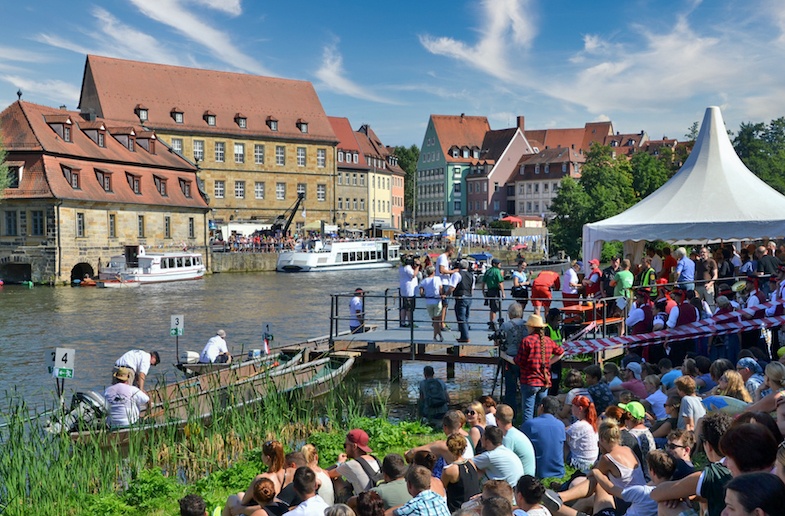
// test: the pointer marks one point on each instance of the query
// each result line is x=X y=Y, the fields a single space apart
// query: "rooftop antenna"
x=19 y=94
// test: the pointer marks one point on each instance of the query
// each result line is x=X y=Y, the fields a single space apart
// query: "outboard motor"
x=88 y=410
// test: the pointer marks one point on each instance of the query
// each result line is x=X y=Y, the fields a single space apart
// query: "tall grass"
x=147 y=472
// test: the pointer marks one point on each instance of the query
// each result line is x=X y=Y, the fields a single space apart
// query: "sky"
x=643 y=64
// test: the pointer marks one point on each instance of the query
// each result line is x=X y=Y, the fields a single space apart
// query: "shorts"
x=541 y=297
x=435 y=311
x=407 y=303
x=608 y=511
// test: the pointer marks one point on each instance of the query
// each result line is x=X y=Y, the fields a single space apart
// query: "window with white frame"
x=280 y=191
x=220 y=151
x=301 y=189
x=354 y=204
x=362 y=179
x=80 y=225
x=340 y=203
x=219 y=189
x=177 y=145
x=140 y=226
x=362 y=204
x=280 y=155
x=167 y=226
x=321 y=193
x=340 y=178
x=239 y=189
x=340 y=156
x=456 y=188
x=258 y=154
x=300 y=156
x=321 y=158
x=355 y=157
x=198 y=150
x=239 y=153
x=537 y=168
x=547 y=168
x=354 y=179
x=258 y=189
x=536 y=188
x=545 y=188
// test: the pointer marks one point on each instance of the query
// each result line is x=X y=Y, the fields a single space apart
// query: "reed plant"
x=148 y=470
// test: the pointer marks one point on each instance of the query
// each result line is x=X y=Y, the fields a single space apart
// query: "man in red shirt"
x=668 y=263
x=541 y=290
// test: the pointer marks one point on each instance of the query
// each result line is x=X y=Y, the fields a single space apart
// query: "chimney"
x=463 y=115
x=521 y=119
x=63 y=107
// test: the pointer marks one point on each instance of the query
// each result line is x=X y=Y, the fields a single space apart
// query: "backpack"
x=374 y=476
x=435 y=395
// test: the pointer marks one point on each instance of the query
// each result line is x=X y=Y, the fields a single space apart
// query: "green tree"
x=407 y=160
x=762 y=148
x=572 y=207
x=648 y=174
x=692 y=132
x=5 y=179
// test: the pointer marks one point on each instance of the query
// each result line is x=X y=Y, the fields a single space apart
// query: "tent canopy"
x=713 y=197
x=515 y=221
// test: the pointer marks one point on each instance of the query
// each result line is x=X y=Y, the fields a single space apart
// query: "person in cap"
x=216 y=351
x=636 y=425
x=139 y=362
x=592 y=283
x=356 y=311
x=682 y=314
x=359 y=474
x=632 y=381
x=663 y=294
x=462 y=292
x=752 y=374
x=571 y=284
x=536 y=354
x=125 y=401
x=493 y=290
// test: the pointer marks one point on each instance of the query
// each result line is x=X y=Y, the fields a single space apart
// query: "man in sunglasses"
x=680 y=445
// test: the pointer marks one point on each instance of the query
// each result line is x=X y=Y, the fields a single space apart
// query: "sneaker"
x=438 y=338
x=552 y=500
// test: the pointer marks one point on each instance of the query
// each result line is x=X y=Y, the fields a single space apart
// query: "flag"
x=303 y=211
x=266 y=345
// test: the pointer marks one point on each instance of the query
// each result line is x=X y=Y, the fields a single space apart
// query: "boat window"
x=163 y=264
x=345 y=257
x=351 y=256
x=179 y=262
x=197 y=260
x=366 y=255
x=187 y=261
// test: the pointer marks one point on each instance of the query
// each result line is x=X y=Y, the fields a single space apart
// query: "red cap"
x=594 y=261
x=662 y=281
x=360 y=438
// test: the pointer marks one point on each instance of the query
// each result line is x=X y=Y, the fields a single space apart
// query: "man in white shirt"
x=498 y=462
x=124 y=401
x=139 y=362
x=445 y=271
x=656 y=261
x=356 y=312
x=407 y=282
x=304 y=484
x=216 y=351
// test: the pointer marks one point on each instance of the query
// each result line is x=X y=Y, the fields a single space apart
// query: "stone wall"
x=243 y=262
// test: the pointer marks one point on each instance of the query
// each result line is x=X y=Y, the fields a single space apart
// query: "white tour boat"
x=139 y=266
x=315 y=255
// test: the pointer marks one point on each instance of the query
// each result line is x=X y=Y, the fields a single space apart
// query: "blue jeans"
x=462 y=306
x=512 y=378
x=531 y=397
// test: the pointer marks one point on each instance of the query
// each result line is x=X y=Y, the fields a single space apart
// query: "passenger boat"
x=198 y=398
x=316 y=255
x=138 y=265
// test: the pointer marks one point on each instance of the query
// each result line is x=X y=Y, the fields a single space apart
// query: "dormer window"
x=209 y=117
x=61 y=124
x=142 y=112
x=176 y=115
x=72 y=176
x=466 y=152
x=302 y=125
x=124 y=135
x=135 y=182
x=614 y=143
x=272 y=123
x=104 y=179
x=185 y=187
x=455 y=152
x=15 y=171
x=146 y=140
x=96 y=131
x=160 y=185
x=241 y=121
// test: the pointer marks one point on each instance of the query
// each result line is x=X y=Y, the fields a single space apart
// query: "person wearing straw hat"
x=536 y=354
x=124 y=400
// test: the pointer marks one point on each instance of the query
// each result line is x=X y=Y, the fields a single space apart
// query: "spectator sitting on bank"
x=582 y=439
x=516 y=440
x=288 y=495
x=341 y=509
x=434 y=401
x=632 y=381
x=475 y=419
x=326 y=490
x=732 y=384
x=598 y=391
x=358 y=474
x=424 y=502
x=528 y=497
x=662 y=428
x=192 y=505
x=496 y=506
x=547 y=435
x=264 y=496
x=692 y=408
x=766 y=393
x=636 y=416
x=498 y=462
x=761 y=418
x=669 y=374
x=490 y=489
x=305 y=486
x=681 y=444
x=655 y=401
x=427 y=460
x=460 y=478
x=611 y=374
x=489 y=405
x=751 y=372
x=573 y=381
x=452 y=423
x=369 y=503
x=392 y=490
x=759 y=494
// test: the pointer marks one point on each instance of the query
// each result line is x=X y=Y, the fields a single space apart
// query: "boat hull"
x=346 y=255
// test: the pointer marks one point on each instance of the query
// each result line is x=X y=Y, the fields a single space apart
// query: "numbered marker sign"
x=65 y=359
x=177 y=326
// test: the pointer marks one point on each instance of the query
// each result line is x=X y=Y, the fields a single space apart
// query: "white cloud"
x=506 y=22
x=333 y=78
x=57 y=91
x=181 y=18
x=228 y=6
x=112 y=39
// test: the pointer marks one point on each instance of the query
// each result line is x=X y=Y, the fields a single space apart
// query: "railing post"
x=333 y=321
x=386 y=307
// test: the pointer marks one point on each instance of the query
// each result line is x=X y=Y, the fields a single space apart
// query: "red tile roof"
x=347 y=141
x=28 y=137
x=459 y=130
x=113 y=87
x=577 y=138
x=558 y=155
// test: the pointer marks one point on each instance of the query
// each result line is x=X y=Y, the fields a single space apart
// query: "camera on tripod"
x=498 y=335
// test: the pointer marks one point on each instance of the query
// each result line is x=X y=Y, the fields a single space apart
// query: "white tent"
x=713 y=197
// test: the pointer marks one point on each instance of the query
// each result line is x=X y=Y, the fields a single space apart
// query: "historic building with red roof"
x=257 y=141
x=85 y=186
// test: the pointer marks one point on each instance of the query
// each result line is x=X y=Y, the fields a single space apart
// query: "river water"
x=101 y=324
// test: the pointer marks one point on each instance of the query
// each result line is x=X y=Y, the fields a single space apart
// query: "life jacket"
x=687 y=314
x=644 y=326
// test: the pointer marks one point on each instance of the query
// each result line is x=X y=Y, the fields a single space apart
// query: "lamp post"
x=343 y=217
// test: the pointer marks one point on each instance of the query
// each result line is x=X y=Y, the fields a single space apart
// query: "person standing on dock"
x=493 y=290
x=462 y=292
x=445 y=270
x=216 y=351
x=407 y=282
x=356 y=312
x=431 y=290
x=139 y=362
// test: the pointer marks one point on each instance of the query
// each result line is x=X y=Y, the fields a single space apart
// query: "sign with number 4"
x=64 y=361
x=177 y=326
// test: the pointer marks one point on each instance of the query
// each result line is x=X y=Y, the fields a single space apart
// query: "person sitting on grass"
x=498 y=462
x=599 y=391
x=424 y=502
x=582 y=444
x=304 y=483
x=489 y=405
x=427 y=460
x=460 y=478
x=496 y=506
x=452 y=423
x=755 y=494
x=192 y=505
x=528 y=497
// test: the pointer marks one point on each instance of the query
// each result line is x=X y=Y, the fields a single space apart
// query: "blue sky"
x=644 y=64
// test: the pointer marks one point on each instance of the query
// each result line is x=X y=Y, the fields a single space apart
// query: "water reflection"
x=101 y=324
